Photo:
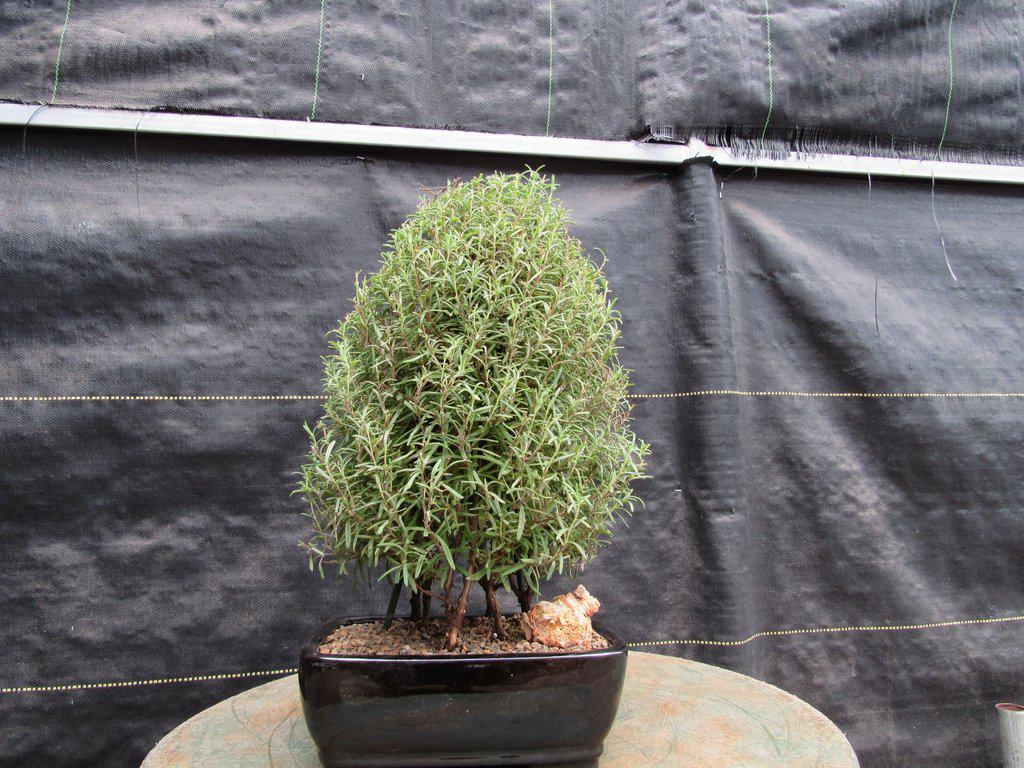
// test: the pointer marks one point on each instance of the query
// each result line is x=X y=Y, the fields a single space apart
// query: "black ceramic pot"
x=468 y=710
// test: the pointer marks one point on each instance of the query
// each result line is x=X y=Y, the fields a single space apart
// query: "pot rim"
x=617 y=646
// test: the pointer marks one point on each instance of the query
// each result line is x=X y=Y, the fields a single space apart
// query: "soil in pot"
x=413 y=638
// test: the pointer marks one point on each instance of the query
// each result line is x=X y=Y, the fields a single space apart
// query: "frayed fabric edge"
x=746 y=142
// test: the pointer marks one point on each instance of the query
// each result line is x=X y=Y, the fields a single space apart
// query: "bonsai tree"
x=476 y=426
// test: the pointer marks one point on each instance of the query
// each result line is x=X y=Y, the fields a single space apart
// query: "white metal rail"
x=27 y=116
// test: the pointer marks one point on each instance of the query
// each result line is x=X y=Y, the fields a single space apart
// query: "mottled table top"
x=674 y=714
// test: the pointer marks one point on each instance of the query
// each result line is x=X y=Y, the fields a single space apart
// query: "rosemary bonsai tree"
x=476 y=426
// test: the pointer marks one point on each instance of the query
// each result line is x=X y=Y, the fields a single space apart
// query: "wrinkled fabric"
x=904 y=78
x=155 y=539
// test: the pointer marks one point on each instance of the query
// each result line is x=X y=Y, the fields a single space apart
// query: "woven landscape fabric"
x=835 y=421
x=912 y=78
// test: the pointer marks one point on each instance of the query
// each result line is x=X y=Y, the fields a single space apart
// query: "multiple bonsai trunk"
x=455 y=606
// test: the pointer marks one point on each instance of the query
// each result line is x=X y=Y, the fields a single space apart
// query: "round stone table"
x=674 y=714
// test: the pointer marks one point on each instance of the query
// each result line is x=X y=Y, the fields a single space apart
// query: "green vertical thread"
x=551 y=60
x=60 y=50
x=319 y=58
x=949 y=74
x=768 y=48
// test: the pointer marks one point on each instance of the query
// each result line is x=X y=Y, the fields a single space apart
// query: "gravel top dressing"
x=409 y=638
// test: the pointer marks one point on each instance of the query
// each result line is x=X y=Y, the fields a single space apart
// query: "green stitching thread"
x=60 y=50
x=771 y=93
x=949 y=72
x=319 y=56
x=551 y=59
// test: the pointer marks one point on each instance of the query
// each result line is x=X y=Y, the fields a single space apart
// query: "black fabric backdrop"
x=156 y=539
x=873 y=74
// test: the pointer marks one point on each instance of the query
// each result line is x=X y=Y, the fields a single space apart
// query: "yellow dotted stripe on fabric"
x=640 y=396
x=154 y=681
x=794 y=393
x=116 y=398
x=641 y=644
x=831 y=630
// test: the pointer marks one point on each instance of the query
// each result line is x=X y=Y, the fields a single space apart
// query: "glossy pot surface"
x=468 y=710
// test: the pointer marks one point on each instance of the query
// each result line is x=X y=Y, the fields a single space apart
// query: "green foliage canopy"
x=476 y=419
